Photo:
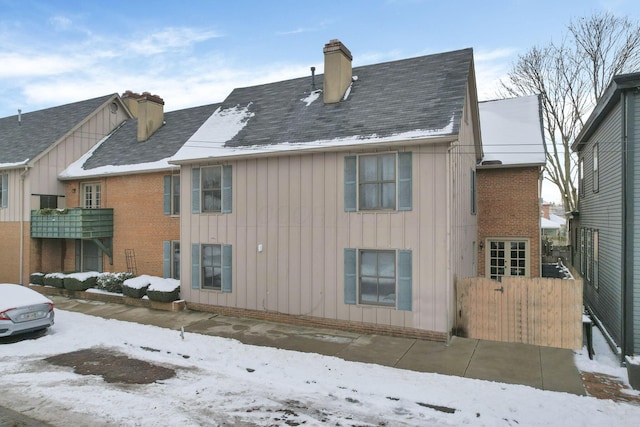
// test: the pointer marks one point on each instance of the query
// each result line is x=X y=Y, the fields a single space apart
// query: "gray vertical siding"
x=602 y=210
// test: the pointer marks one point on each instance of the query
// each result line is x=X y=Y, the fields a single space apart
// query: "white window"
x=596 y=258
x=378 y=277
x=596 y=172
x=212 y=189
x=4 y=190
x=211 y=267
x=508 y=258
x=91 y=195
x=377 y=181
x=175 y=259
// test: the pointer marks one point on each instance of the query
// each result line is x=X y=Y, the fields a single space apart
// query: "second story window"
x=211 y=181
x=4 y=190
x=596 y=174
x=91 y=195
x=211 y=189
x=172 y=195
x=378 y=182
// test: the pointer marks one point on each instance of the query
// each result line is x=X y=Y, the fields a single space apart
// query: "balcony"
x=75 y=223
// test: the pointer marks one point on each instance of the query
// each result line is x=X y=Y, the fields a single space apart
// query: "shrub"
x=163 y=296
x=136 y=287
x=54 y=279
x=164 y=290
x=36 y=278
x=80 y=281
x=112 y=282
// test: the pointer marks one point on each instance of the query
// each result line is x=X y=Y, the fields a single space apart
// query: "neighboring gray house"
x=345 y=199
x=606 y=229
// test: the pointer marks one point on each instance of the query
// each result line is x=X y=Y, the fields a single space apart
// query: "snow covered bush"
x=136 y=287
x=54 y=279
x=164 y=290
x=112 y=282
x=80 y=281
x=36 y=278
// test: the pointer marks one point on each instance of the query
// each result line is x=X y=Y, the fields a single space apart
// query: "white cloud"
x=170 y=39
x=60 y=22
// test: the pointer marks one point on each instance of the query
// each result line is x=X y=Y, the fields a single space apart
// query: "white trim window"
x=171 y=195
x=4 y=190
x=211 y=189
x=378 y=278
x=381 y=181
x=508 y=257
x=91 y=195
x=211 y=267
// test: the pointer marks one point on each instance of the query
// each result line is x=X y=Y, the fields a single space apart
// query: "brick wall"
x=10 y=251
x=139 y=222
x=508 y=206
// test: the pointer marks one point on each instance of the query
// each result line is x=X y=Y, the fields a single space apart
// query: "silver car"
x=23 y=310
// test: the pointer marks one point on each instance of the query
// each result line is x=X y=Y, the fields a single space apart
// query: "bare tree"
x=570 y=77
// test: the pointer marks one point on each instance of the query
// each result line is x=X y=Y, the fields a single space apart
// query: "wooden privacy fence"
x=539 y=311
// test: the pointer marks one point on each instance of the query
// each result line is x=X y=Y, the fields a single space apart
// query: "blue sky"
x=195 y=52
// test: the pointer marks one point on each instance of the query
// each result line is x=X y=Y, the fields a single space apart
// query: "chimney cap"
x=145 y=95
x=336 y=45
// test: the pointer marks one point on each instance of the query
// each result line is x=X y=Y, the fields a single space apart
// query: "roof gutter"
x=23 y=175
x=236 y=153
x=509 y=166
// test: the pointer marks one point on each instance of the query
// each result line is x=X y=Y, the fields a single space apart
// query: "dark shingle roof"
x=38 y=130
x=123 y=148
x=423 y=93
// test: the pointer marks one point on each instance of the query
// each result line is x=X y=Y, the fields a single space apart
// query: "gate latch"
x=500 y=289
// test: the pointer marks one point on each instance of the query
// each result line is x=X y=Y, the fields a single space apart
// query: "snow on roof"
x=557 y=219
x=13 y=165
x=210 y=140
x=547 y=223
x=76 y=169
x=512 y=132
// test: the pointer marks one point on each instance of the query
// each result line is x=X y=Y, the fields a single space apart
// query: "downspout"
x=624 y=344
x=451 y=294
x=21 y=213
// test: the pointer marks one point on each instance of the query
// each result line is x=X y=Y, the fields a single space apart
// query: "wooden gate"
x=539 y=311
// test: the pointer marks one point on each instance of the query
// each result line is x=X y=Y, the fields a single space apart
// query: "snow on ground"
x=220 y=381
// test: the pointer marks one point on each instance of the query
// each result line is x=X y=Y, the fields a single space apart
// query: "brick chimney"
x=148 y=109
x=545 y=210
x=337 y=71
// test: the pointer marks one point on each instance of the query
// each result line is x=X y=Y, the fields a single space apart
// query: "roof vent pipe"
x=19 y=117
x=313 y=78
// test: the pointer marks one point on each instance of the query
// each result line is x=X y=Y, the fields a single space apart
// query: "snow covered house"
x=127 y=174
x=605 y=231
x=34 y=148
x=345 y=199
x=509 y=182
